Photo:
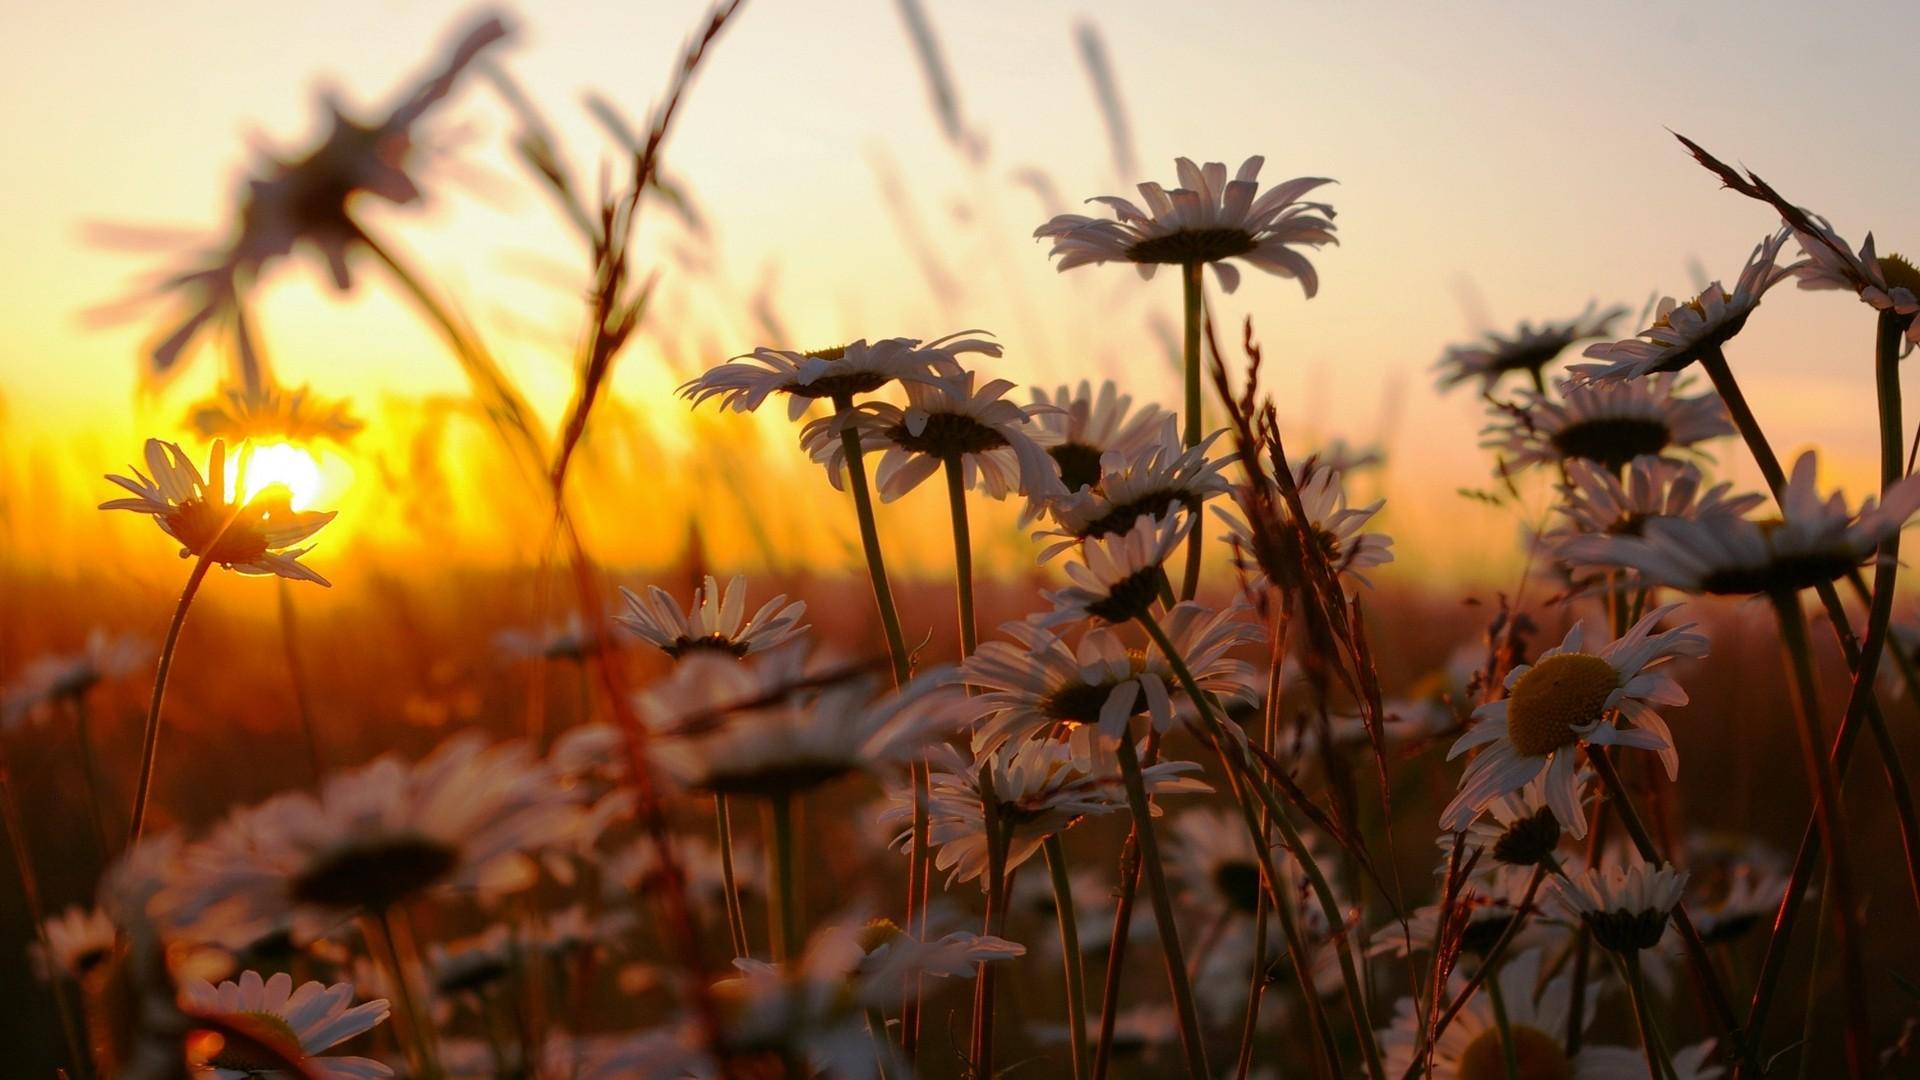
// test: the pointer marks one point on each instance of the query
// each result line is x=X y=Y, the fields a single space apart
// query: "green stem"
x=736 y=915
x=1076 y=978
x=962 y=552
x=1185 y=1013
x=1509 y=1054
x=1193 y=306
x=415 y=1027
x=1128 y=888
x=150 y=741
x=870 y=543
x=882 y=1048
x=783 y=920
x=999 y=836
x=1658 y=1064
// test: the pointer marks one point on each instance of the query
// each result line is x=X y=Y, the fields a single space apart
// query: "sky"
x=1495 y=162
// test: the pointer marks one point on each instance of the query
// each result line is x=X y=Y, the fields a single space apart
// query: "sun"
x=257 y=468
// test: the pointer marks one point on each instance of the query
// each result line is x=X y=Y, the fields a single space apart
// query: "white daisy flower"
x=1483 y=908
x=1564 y=700
x=1681 y=332
x=254 y=537
x=713 y=622
x=1340 y=529
x=805 y=1010
x=837 y=374
x=1079 y=426
x=1597 y=501
x=1117 y=577
x=79 y=940
x=891 y=956
x=1161 y=478
x=1626 y=906
x=993 y=439
x=55 y=677
x=566 y=640
x=1607 y=423
x=469 y=817
x=306 y=1020
x=1883 y=282
x=1212 y=858
x=1814 y=541
x=1207 y=219
x=1472 y=1048
x=634 y=870
x=1750 y=896
x=1529 y=349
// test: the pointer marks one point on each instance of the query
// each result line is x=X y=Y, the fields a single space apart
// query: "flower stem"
x=1193 y=307
x=150 y=741
x=1813 y=964
x=296 y=674
x=1658 y=1064
x=998 y=837
x=783 y=920
x=736 y=916
x=1509 y=1054
x=962 y=552
x=415 y=1026
x=1826 y=808
x=1185 y=1013
x=870 y=543
x=1480 y=975
x=1128 y=888
x=1076 y=977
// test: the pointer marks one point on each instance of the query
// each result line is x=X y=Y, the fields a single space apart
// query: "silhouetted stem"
x=736 y=916
x=1070 y=956
x=1193 y=304
x=1184 y=1010
x=150 y=740
x=783 y=922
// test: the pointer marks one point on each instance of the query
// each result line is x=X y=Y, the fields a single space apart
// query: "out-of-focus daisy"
x=1212 y=856
x=1748 y=896
x=56 y=677
x=1483 y=909
x=1815 y=540
x=890 y=956
x=1528 y=350
x=1626 y=906
x=252 y=537
x=566 y=640
x=1207 y=219
x=1520 y=829
x=947 y=419
x=79 y=940
x=1080 y=426
x=1339 y=529
x=266 y=413
x=1093 y=905
x=1607 y=423
x=1564 y=699
x=1596 y=501
x=1682 y=332
x=307 y=1020
x=1160 y=479
x=634 y=870
x=1888 y=283
x=838 y=374
x=469 y=816
x=1117 y=577
x=1140 y=1033
x=806 y=1010
x=1040 y=787
x=713 y=622
x=1472 y=1047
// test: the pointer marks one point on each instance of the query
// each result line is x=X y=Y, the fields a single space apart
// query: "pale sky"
x=1502 y=161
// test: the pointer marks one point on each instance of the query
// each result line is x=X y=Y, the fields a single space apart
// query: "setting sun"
x=255 y=469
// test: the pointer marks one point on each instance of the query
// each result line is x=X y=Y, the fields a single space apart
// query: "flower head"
x=1207 y=219
x=1118 y=576
x=1529 y=349
x=1160 y=478
x=266 y=413
x=1625 y=907
x=1682 y=332
x=1597 y=502
x=713 y=622
x=1607 y=423
x=839 y=373
x=1080 y=426
x=303 y=1021
x=1886 y=283
x=57 y=677
x=1338 y=529
x=252 y=537
x=79 y=940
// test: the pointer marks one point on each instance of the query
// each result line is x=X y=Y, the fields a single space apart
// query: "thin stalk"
x=1480 y=974
x=1658 y=1064
x=1193 y=305
x=1813 y=965
x=1076 y=975
x=1509 y=1054
x=962 y=553
x=783 y=919
x=1129 y=886
x=413 y=1025
x=36 y=910
x=736 y=916
x=870 y=544
x=1826 y=807
x=1185 y=1012
x=296 y=674
x=998 y=837
x=882 y=1048
x=150 y=741
x=90 y=771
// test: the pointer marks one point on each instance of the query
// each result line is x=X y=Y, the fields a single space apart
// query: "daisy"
x=838 y=373
x=1564 y=700
x=1814 y=541
x=1472 y=1048
x=254 y=537
x=567 y=640
x=56 y=677
x=1528 y=349
x=305 y=1021
x=634 y=870
x=1041 y=787
x=890 y=956
x=1887 y=283
x=802 y=1011
x=1607 y=423
x=1161 y=478
x=1626 y=907
x=78 y=940
x=1682 y=332
x=949 y=419
x=1212 y=856
x=714 y=620
x=1483 y=908
x=1118 y=577
x=1080 y=426
x=1598 y=501
x=1207 y=219
x=1751 y=896
x=1339 y=529
x=264 y=413
x=468 y=817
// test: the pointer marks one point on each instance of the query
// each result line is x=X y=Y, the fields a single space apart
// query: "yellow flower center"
x=1556 y=697
x=1537 y=1054
x=1900 y=273
x=879 y=932
x=1699 y=309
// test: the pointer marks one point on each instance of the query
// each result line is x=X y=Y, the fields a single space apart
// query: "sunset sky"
x=1495 y=162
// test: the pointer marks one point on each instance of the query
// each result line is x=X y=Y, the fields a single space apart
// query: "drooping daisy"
x=1528 y=350
x=469 y=817
x=1208 y=219
x=1625 y=906
x=1607 y=423
x=254 y=537
x=1814 y=541
x=1472 y=1047
x=79 y=940
x=1682 y=332
x=1564 y=700
x=891 y=956
x=993 y=439
x=1520 y=829
x=1081 y=425
x=1117 y=577
x=714 y=620
x=1888 y=283
x=1160 y=479
x=307 y=1020
x=838 y=374
x=1041 y=787
x=265 y=413
x=56 y=677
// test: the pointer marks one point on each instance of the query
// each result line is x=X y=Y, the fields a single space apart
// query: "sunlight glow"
x=260 y=467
